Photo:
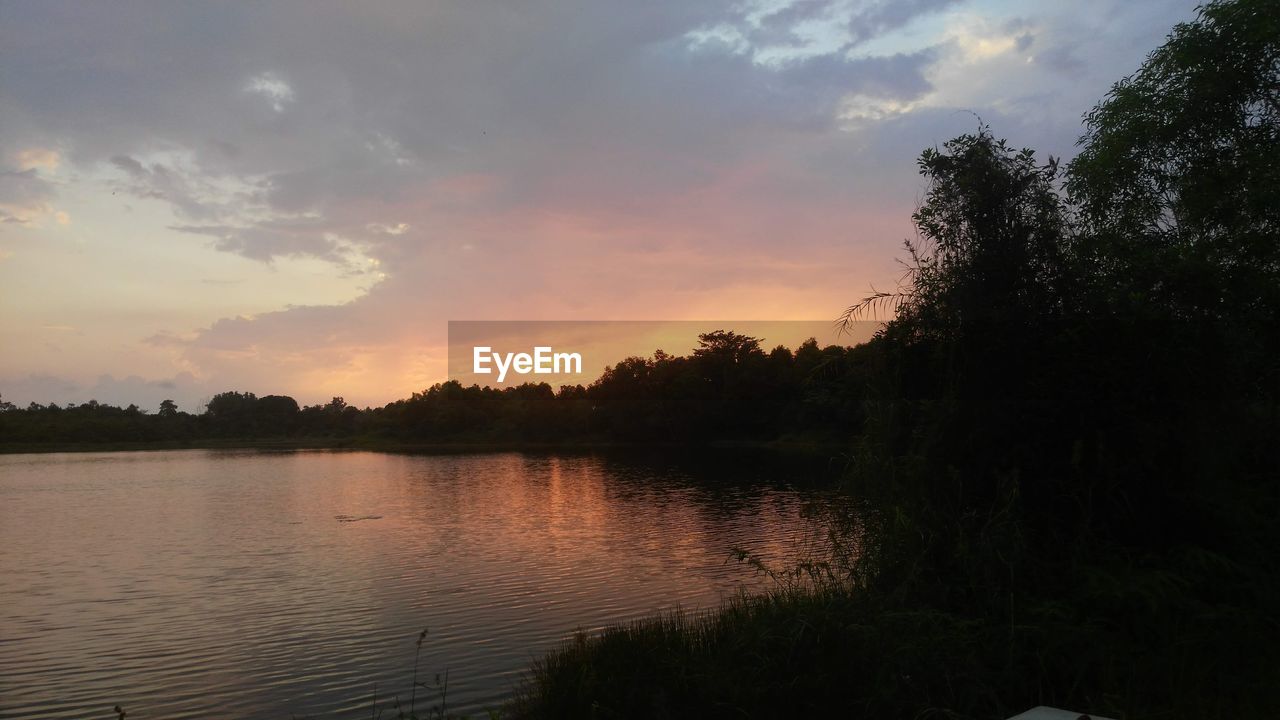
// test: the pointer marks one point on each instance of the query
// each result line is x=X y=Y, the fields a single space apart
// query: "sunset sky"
x=297 y=197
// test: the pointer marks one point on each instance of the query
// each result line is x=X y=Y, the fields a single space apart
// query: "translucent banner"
x=501 y=353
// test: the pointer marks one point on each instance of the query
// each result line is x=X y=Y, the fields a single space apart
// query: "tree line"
x=728 y=388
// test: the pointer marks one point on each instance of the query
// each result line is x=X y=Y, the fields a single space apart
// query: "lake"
x=250 y=584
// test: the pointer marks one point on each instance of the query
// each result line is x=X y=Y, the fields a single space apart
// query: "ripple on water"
x=238 y=584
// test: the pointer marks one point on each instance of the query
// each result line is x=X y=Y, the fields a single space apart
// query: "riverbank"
x=798 y=446
x=846 y=652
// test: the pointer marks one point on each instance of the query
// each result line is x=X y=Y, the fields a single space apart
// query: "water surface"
x=248 y=584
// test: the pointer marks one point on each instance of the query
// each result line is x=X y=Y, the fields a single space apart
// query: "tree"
x=726 y=345
x=168 y=408
x=993 y=236
x=231 y=404
x=276 y=414
x=1178 y=176
x=232 y=413
x=1178 y=186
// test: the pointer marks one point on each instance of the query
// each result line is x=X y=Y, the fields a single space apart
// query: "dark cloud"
x=900 y=76
x=130 y=166
x=571 y=158
x=23 y=193
x=188 y=192
x=881 y=16
x=21 y=186
x=779 y=27
x=329 y=107
x=269 y=240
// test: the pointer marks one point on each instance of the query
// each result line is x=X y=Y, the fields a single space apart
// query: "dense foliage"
x=729 y=388
x=1070 y=450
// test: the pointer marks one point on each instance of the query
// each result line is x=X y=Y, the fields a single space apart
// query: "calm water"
x=258 y=585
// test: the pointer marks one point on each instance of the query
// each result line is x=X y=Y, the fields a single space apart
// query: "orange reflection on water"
x=249 y=584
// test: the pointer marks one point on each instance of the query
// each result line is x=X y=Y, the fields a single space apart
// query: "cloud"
x=25 y=197
x=38 y=157
x=43 y=389
x=244 y=215
x=190 y=197
x=778 y=33
x=276 y=91
x=387 y=229
x=266 y=241
x=875 y=18
x=618 y=159
x=134 y=168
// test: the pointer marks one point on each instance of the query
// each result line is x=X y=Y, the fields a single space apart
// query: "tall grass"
x=1132 y=643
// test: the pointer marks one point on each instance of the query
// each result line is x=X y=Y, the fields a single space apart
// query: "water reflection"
x=251 y=584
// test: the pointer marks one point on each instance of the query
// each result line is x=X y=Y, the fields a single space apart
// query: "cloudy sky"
x=296 y=197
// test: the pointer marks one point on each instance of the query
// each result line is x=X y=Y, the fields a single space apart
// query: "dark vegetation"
x=1066 y=444
x=1070 y=447
x=727 y=389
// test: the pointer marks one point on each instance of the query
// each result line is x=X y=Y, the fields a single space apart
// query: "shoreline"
x=803 y=447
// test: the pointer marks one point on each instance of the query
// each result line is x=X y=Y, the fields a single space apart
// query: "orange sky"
x=297 y=198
